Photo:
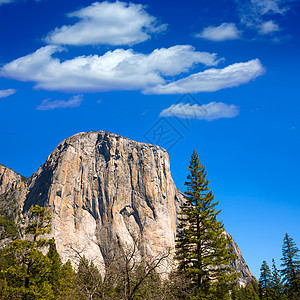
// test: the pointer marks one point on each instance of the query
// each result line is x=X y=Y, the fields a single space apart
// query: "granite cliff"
x=106 y=191
x=13 y=190
x=12 y=184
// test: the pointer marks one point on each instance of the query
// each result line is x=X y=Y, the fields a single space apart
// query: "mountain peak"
x=106 y=191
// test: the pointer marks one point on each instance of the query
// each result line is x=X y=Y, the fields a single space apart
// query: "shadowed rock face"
x=12 y=184
x=105 y=190
x=13 y=189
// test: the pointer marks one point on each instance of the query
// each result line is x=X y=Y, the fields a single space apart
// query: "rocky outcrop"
x=239 y=264
x=106 y=191
x=12 y=184
x=13 y=189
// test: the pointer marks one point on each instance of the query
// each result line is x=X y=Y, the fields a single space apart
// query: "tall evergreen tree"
x=291 y=267
x=265 y=281
x=201 y=246
x=67 y=282
x=56 y=265
x=276 y=283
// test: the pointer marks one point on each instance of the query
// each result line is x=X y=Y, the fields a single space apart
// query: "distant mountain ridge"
x=105 y=191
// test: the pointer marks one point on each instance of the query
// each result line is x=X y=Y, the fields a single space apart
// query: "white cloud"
x=208 y=112
x=226 y=31
x=252 y=11
x=212 y=79
x=12 y=1
x=270 y=6
x=268 y=27
x=115 y=70
x=255 y=14
x=116 y=23
x=6 y=93
x=5 y=1
x=48 y=104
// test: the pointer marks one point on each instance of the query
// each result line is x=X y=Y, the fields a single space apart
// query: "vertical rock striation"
x=106 y=192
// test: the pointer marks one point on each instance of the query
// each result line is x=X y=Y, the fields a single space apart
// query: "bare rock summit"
x=106 y=191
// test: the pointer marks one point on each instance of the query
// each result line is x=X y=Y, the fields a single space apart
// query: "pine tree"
x=265 y=281
x=40 y=222
x=55 y=272
x=291 y=267
x=27 y=273
x=88 y=279
x=201 y=245
x=66 y=282
x=276 y=283
x=248 y=292
x=252 y=291
x=25 y=269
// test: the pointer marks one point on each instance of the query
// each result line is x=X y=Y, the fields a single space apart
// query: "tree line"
x=282 y=284
x=31 y=267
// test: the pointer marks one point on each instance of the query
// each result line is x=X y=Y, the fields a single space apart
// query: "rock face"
x=13 y=189
x=106 y=191
x=12 y=184
x=239 y=264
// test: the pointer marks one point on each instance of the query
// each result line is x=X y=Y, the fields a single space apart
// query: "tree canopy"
x=202 y=246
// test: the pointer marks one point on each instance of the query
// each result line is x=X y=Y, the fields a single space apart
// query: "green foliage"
x=9 y=217
x=248 y=292
x=66 y=282
x=40 y=221
x=126 y=281
x=26 y=272
x=277 y=287
x=88 y=279
x=149 y=288
x=291 y=268
x=272 y=285
x=10 y=229
x=3 y=289
x=265 y=281
x=56 y=267
x=201 y=246
x=177 y=286
x=202 y=253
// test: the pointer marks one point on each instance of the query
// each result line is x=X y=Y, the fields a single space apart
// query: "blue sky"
x=220 y=77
